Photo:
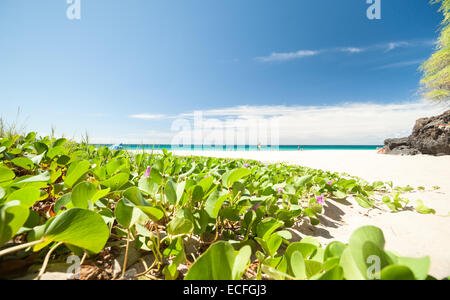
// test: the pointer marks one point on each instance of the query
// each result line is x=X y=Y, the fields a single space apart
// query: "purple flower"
x=208 y=176
x=246 y=165
x=147 y=173
x=320 y=199
x=255 y=207
x=330 y=182
x=280 y=190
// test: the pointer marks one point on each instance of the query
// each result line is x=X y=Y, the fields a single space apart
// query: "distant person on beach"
x=381 y=150
x=259 y=146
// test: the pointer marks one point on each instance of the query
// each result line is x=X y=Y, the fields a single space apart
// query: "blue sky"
x=127 y=69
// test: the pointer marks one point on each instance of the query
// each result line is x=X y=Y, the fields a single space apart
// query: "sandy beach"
x=408 y=232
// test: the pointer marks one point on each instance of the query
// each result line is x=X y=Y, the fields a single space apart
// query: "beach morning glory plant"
x=101 y=202
x=320 y=199
x=147 y=172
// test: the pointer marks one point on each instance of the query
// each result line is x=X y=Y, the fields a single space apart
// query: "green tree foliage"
x=436 y=70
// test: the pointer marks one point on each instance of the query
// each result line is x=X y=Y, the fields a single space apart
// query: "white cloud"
x=274 y=57
x=340 y=124
x=352 y=50
x=387 y=47
x=393 y=45
x=406 y=44
x=401 y=64
x=347 y=123
x=148 y=116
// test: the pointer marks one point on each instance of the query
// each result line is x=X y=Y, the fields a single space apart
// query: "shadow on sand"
x=331 y=218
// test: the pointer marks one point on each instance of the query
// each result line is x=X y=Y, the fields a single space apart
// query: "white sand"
x=408 y=232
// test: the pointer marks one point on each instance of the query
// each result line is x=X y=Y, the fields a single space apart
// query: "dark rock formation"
x=394 y=143
x=429 y=136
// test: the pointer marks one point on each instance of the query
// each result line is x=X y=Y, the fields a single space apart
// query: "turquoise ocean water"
x=247 y=147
